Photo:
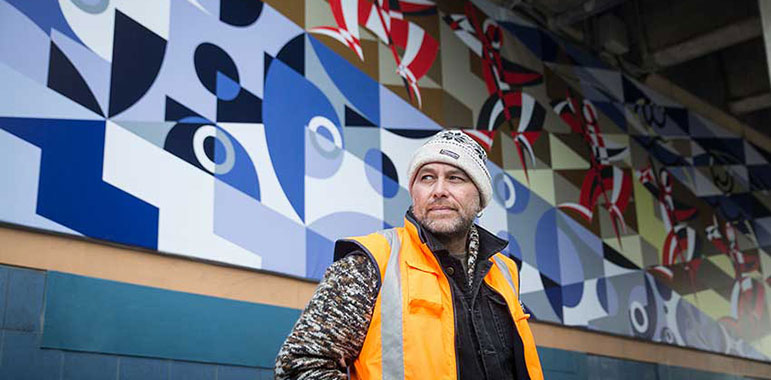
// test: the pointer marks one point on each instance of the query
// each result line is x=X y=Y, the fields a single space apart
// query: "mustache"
x=440 y=204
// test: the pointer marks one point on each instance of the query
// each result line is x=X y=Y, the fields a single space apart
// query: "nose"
x=440 y=189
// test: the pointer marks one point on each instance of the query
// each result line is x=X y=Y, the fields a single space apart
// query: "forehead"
x=441 y=167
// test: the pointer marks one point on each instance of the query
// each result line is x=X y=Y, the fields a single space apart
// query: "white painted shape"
x=348 y=190
x=752 y=156
x=183 y=194
x=588 y=309
x=20 y=165
x=400 y=149
x=494 y=217
x=95 y=30
x=252 y=138
x=153 y=15
x=529 y=279
x=610 y=269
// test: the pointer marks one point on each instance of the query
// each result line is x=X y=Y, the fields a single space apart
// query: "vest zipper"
x=454 y=321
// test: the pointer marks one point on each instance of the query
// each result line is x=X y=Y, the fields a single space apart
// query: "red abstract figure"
x=604 y=180
x=385 y=19
x=501 y=77
x=748 y=296
x=681 y=239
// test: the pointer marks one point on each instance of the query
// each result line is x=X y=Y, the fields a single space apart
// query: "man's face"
x=444 y=199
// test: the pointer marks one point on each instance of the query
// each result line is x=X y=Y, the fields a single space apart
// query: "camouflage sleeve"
x=331 y=331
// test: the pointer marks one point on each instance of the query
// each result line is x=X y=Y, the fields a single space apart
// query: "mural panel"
x=256 y=134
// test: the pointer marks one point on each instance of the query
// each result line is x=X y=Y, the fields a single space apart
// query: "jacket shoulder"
x=375 y=245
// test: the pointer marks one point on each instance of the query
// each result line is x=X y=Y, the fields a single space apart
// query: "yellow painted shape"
x=650 y=227
x=563 y=157
x=711 y=303
x=632 y=248
x=724 y=263
x=763 y=345
x=541 y=182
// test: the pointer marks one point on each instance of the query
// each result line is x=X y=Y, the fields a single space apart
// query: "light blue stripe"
x=505 y=270
x=391 y=313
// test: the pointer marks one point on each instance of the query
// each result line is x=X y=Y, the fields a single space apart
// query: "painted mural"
x=255 y=134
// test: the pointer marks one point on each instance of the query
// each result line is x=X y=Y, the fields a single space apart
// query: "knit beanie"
x=455 y=148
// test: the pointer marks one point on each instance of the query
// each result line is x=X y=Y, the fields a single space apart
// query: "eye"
x=426 y=177
x=457 y=178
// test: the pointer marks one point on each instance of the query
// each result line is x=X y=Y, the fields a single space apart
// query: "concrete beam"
x=584 y=11
x=714 y=114
x=750 y=104
x=710 y=42
x=765 y=15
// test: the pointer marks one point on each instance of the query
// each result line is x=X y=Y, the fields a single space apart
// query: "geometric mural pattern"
x=255 y=134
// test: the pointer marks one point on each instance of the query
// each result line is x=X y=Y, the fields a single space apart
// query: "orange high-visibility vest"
x=412 y=331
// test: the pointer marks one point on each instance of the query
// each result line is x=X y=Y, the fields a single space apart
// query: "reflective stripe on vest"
x=505 y=270
x=392 y=341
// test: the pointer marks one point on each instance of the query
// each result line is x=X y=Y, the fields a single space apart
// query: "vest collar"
x=489 y=244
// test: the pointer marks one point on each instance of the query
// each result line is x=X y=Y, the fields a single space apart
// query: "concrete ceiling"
x=711 y=48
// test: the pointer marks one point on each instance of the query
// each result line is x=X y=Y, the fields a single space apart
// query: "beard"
x=446 y=228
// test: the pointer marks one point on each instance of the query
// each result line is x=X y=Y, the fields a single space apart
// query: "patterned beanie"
x=457 y=149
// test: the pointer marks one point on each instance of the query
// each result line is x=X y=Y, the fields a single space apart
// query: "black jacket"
x=487 y=345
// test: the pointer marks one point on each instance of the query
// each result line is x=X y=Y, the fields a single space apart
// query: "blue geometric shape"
x=553 y=293
x=72 y=192
x=46 y=14
x=318 y=254
x=602 y=293
x=94 y=69
x=88 y=314
x=547 y=247
x=250 y=224
x=395 y=113
x=290 y=102
x=65 y=79
x=358 y=88
x=23 y=358
x=28 y=51
x=355 y=119
x=192 y=371
x=506 y=189
x=210 y=62
x=293 y=54
x=227 y=89
x=132 y=77
x=180 y=141
x=530 y=37
x=512 y=250
x=143 y=369
x=240 y=13
x=85 y=366
x=572 y=294
x=245 y=107
x=379 y=170
x=614 y=111
x=25 y=300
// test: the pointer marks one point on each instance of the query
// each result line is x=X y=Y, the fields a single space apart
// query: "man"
x=431 y=300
